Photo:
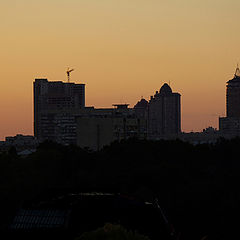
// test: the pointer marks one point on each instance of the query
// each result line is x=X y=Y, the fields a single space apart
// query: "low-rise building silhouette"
x=99 y=127
x=20 y=143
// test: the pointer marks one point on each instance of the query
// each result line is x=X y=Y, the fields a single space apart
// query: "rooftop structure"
x=121 y=106
x=143 y=103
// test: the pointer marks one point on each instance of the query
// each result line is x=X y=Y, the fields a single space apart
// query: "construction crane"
x=68 y=73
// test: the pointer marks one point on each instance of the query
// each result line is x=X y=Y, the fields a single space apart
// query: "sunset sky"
x=121 y=50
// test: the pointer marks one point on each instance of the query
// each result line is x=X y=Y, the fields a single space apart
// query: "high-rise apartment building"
x=233 y=95
x=231 y=123
x=164 y=113
x=55 y=106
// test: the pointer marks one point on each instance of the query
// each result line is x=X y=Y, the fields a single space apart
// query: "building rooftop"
x=165 y=89
x=143 y=103
x=236 y=77
x=121 y=106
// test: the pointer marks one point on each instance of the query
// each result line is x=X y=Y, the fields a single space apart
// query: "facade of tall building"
x=55 y=105
x=233 y=96
x=231 y=123
x=164 y=113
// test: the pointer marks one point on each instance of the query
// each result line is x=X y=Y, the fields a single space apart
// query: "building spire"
x=237 y=72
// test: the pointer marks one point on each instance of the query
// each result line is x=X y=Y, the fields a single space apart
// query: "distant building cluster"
x=60 y=115
x=23 y=145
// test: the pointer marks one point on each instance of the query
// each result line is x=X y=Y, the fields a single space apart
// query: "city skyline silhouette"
x=121 y=51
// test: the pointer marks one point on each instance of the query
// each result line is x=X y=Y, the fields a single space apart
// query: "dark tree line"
x=197 y=186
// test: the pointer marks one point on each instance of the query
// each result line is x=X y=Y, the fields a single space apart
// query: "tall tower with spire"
x=233 y=95
x=230 y=125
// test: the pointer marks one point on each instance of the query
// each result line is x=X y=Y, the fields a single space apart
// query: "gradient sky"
x=121 y=50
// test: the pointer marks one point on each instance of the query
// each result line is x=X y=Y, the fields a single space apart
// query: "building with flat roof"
x=55 y=105
x=99 y=127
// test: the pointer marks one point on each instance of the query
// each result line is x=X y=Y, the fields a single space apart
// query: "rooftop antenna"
x=68 y=73
x=237 y=72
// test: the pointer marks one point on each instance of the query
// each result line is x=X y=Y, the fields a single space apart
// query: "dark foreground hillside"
x=197 y=186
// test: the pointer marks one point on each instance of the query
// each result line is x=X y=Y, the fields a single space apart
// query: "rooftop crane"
x=68 y=73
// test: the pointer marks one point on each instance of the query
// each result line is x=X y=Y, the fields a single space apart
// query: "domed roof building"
x=165 y=90
x=141 y=108
x=164 y=113
x=143 y=103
